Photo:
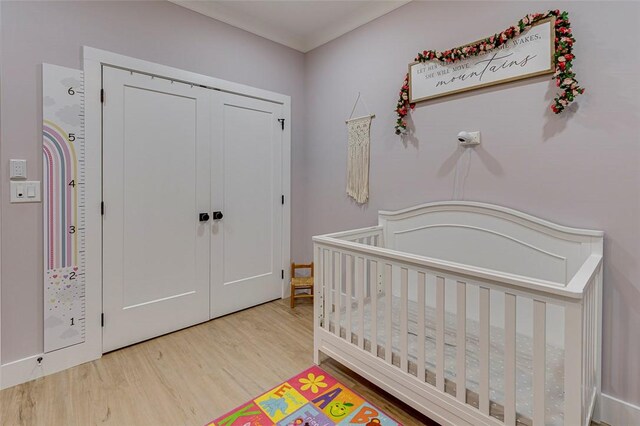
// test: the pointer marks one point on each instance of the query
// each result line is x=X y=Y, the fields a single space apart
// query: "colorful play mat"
x=312 y=398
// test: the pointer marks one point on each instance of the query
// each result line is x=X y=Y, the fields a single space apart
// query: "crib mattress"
x=524 y=346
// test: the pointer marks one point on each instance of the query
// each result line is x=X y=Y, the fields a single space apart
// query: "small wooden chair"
x=301 y=283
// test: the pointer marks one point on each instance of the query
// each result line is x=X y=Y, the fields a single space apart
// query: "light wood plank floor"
x=188 y=377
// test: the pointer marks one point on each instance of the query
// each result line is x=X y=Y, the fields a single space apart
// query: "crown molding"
x=302 y=43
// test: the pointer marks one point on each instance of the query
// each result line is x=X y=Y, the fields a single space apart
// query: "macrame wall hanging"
x=358 y=154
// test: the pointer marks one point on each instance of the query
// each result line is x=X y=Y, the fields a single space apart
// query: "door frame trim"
x=94 y=60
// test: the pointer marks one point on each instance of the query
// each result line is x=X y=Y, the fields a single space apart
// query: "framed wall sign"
x=529 y=54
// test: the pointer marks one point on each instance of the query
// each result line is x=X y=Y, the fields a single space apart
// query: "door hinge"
x=102 y=319
x=281 y=120
x=102 y=96
x=282 y=274
x=283 y=200
x=102 y=208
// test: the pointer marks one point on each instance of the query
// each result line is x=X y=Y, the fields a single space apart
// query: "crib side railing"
x=371 y=236
x=354 y=276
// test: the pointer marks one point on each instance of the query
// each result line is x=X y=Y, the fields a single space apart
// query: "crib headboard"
x=493 y=237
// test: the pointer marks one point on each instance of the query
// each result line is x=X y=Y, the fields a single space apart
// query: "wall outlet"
x=25 y=191
x=18 y=169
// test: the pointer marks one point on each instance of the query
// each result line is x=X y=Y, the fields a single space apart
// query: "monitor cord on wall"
x=459 y=183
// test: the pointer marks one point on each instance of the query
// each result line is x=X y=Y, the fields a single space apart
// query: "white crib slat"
x=421 y=326
x=597 y=345
x=594 y=333
x=590 y=348
x=359 y=279
x=404 y=325
x=598 y=338
x=373 y=283
x=440 y=333
x=388 y=300
x=593 y=338
x=318 y=287
x=509 y=359
x=573 y=345
x=326 y=283
x=461 y=342
x=587 y=351
x=539 y=354
x=348 y=294
x=592 y=341
x=484 y=350
x=337 y=292
x=585 y=362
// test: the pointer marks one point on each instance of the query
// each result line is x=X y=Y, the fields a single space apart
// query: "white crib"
x=473 y=314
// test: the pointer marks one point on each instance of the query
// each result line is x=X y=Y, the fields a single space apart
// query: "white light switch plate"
x=25 y=191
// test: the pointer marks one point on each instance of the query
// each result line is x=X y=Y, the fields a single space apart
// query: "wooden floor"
x=187 y=378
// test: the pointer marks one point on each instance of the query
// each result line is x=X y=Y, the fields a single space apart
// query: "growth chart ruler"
x=63 y=151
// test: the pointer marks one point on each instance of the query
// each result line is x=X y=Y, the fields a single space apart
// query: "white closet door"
x=156 y=181
x=246 y=244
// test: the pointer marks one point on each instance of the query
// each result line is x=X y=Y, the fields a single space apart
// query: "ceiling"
x=300 y=24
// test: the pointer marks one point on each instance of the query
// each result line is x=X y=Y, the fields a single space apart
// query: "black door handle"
x=217 y=215
x=204 y=217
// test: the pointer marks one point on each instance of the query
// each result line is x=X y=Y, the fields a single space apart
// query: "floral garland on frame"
x=563 y=60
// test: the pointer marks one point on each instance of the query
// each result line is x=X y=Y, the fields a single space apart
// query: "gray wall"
x=581 y=168
x=53 y=32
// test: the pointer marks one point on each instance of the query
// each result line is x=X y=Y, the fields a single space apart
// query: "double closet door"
x=192 y=224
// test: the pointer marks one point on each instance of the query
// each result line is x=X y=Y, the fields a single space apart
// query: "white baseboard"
x=616 y=412
x=27 y=369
